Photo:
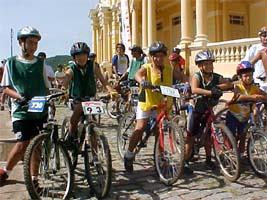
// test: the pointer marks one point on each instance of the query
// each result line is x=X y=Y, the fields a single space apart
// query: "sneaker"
x=38 y=189
x=3 y=177
x=211 y=165
x=187 y=169
x=128 y=164
x=2 y=108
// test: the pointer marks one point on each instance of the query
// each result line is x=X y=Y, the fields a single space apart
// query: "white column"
x=144 y=23
x=186 y=21
x=151 y=21
x=201 y=21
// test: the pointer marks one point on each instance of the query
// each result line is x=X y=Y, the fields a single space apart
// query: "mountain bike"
x=169 y=142
x=92 y=145
x=47 y=153
x=256 y=139
x=223 y=142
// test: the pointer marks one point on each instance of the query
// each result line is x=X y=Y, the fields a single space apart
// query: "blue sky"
x=60 y=22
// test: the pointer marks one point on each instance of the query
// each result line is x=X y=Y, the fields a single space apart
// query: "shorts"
x=27 y=129
x=196 y=123
x=235 y=126
x=145 y=114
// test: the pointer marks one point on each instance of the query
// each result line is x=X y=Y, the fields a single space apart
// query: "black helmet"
x=136 y=48
x=176 y=50
x=28 y=31
x=204 y=55
x=79 y=47
x=157 y=47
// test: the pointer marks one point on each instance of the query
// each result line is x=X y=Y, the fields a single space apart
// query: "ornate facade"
x=227 y=27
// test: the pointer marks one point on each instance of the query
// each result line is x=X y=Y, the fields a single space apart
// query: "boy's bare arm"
x=67 y=78
x=196 y=89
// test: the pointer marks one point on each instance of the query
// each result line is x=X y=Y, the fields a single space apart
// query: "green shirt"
x=202 y=104
x=83 y=82
x=135 y=65
x=28 y=80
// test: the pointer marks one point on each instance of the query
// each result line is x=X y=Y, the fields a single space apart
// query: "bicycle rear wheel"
x=169 y=159
x=97 y=160
x=257 y=152
x=125 y=131
x=55 y=174
x=226 y=152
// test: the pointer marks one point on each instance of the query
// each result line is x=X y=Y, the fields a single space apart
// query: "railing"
x=231 y=51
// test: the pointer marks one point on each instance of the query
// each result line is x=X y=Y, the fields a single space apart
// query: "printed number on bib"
x=168 y=91
x=37 y=104
x=93 y=108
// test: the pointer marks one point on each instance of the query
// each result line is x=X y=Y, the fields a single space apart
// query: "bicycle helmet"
x=136 y=48
x=204 y=55
x=173 y=57
x=79 y=47
x=157 y=47
x=176 y=50
x=263 y=30
x=28 y=31
x=243 y=67
x=92 y=55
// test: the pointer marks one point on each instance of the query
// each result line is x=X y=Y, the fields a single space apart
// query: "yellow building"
x=227 y=27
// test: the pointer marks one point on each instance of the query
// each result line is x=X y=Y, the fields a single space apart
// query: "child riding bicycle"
x=155 y=73
x=19 y=70
x=238 y=115
x=204 y=82
x=80 y=77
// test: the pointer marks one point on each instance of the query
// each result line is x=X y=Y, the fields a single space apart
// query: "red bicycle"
x=169 y=142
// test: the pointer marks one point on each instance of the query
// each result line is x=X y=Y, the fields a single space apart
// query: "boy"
x=80 y=76
x=238 y=115
x=18 y=71
x=155 y=73
x=204 y=82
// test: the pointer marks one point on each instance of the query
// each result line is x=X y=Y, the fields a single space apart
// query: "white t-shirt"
x=259 y=69
x=49 y=71
x=122 y=64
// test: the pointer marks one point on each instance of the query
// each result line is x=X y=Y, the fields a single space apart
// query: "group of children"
x=80 y=81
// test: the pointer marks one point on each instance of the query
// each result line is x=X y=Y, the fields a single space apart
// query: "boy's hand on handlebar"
x=145 y=84
x=22 y=101
x=216 y=92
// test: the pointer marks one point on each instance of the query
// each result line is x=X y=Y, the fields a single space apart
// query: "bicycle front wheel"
x=125 y=131
x=53 y=174
x=97 y=160
x=257 y=152
x=169 y=154
x=226 y=152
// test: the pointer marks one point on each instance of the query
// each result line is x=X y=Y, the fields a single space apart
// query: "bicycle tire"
x=51 y=179
x=64 y=132
x=98 y=164
x=257 y=153
x=169 y=163
x=112 y=109
x=125 y=131
x=226 y=152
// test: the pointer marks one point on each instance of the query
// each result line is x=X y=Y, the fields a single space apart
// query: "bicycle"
x=169 y=144
x=256 y=140
x=55 y=177
x=223 y=143
x=93 y=146
x=127 y=101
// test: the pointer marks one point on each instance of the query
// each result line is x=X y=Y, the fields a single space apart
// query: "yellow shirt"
x=242 y=111
x=154 y=98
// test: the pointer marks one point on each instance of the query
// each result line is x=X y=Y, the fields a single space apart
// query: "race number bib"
x=134 y=90
x=168 y=91
x=37 y=104
x=93 y=108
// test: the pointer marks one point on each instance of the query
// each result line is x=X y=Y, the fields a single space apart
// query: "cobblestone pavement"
x=144 y=183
